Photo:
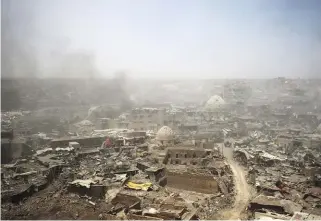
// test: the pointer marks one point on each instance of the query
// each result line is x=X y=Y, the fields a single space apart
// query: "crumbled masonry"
x=238 y=149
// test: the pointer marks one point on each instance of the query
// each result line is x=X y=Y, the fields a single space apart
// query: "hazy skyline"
x=165 y=38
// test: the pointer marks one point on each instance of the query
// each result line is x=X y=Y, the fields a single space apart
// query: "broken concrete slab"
x=87 y=187
x=129 y=172
x=74 y=145
x=49 y=160
x=270 y=216
x=82 y=141
x=176 y=210
x=84 y=153
x=44 y=151
x=84 y=183
x=291 y=207
x=24 y=175
x=18 y=194
x=53 y=172
x=274 y=204
x=155 y=173
x=142 y=166
x=126 y=201
x=298 y=216
x=66 y=149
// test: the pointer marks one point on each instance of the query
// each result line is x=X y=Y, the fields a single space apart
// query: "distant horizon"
x=151 y=78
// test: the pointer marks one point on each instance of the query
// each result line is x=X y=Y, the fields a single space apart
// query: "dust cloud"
x=22 y=58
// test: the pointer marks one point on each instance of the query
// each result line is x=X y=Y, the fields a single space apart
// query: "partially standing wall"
x=192 y=182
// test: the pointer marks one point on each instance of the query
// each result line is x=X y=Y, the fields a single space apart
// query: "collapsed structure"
x=168 y=160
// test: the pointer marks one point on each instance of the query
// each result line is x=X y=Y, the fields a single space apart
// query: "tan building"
x=192 y=182
x=143 y=119
x=187 y=155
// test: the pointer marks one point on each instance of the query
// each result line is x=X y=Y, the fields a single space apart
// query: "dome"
x=165 y=133
x=214 y=103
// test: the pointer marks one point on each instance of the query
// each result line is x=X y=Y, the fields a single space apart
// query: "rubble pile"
x=234 y=150
x=129 y=183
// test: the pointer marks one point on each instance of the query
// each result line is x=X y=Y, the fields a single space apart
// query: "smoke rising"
x=73 y=64
x=22 y=53
x=17 y=54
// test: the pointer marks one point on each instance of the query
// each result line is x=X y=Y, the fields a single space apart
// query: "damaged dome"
x=165 y=133
x=214 y=103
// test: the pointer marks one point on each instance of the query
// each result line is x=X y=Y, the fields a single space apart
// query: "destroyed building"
x=167 y=160
x=143 y=119
x=187 y=156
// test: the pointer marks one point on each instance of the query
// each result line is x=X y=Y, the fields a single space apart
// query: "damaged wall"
x=85 y=142
x=11 y=149
x=186 y=156
x=192 y=182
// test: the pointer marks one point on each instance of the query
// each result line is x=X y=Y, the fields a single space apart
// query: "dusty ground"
x=242 y=189
x=54 y=203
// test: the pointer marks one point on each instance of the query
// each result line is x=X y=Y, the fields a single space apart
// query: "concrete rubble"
x=167 y=161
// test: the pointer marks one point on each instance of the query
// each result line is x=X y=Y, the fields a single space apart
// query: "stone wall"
x=192 y=182
x=146 y=119
x=187 y=156
x=84 y=142
x=11 y=150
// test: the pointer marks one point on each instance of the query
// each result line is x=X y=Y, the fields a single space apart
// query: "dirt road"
x=242 y=189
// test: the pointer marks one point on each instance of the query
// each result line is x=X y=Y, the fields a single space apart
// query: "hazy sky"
x=174 y=38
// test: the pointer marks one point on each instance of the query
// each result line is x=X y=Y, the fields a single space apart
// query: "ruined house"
x=83 y=141
x=266 y=159
x=201 y=138
x=14 y=149
x=243 y=157
x=187 y=156
x=262 y=203
x=284 y=141
x=84 y=127
x=143 y=119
